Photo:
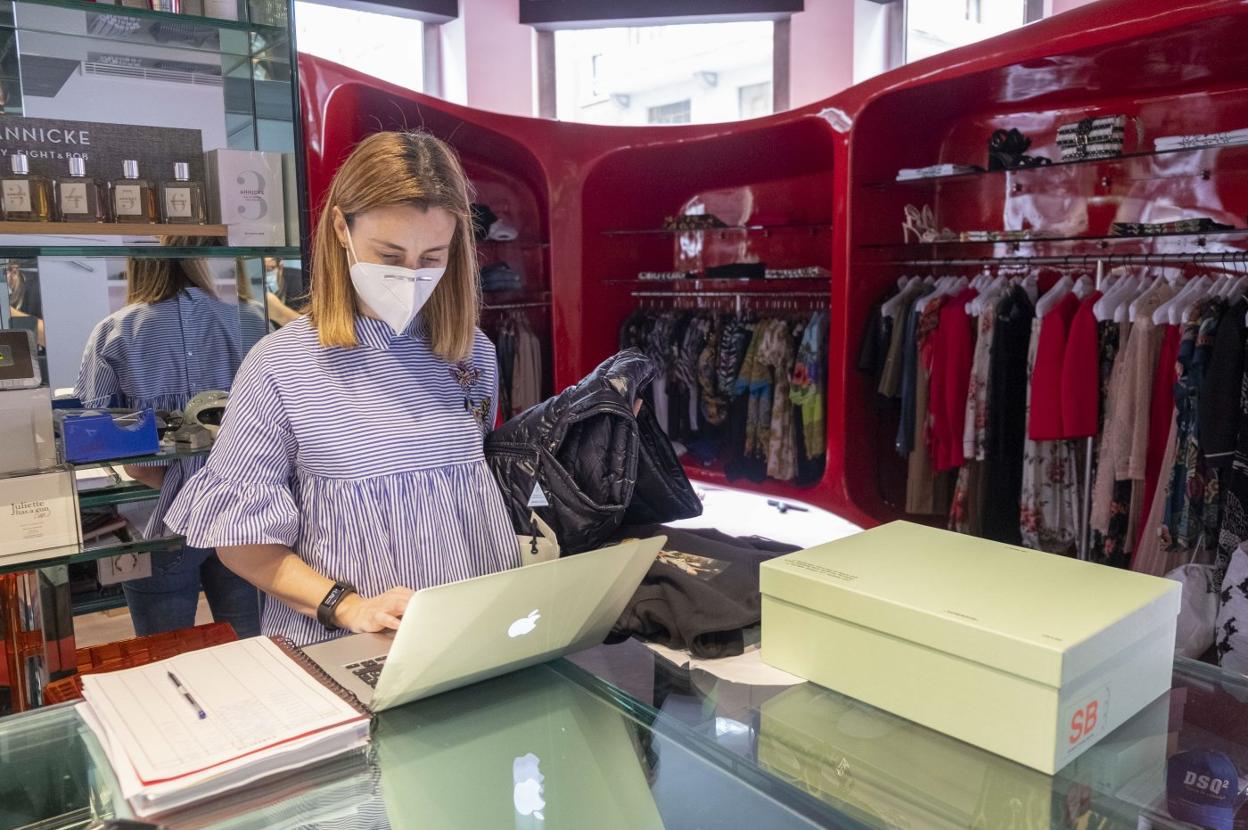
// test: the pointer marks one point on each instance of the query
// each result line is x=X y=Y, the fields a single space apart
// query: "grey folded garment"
x=499 y=276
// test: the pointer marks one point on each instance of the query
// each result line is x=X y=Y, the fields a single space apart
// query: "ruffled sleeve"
x=243 y=495
x=97 y=380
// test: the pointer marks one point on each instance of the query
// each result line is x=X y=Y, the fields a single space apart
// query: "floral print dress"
x=1049 y=507
x=966 y=514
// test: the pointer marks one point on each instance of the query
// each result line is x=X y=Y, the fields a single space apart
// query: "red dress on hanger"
x=1046 y=378
x=1081 y=379
x=954 y=352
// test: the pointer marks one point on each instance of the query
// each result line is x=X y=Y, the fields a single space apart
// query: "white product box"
x=1026 y=654
x=27 y=440
x=246 y=194
x=38 y=511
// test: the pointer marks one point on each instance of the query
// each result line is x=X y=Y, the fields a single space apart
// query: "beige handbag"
x=541 y=548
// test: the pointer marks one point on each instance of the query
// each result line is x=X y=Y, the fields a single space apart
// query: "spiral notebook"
x=199 y=724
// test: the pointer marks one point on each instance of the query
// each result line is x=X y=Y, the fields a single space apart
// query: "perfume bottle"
x=79 y=198
x=182 y=200
x=27 y=197
x=134 y=199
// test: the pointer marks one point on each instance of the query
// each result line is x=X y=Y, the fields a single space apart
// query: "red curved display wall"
x=814 y=187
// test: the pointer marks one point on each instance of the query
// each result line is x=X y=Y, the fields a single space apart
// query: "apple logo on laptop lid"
x=524 y=625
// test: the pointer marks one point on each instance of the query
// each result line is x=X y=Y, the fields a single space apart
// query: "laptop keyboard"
x=368 y=670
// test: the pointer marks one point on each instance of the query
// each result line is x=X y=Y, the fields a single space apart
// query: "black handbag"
x=594 y=463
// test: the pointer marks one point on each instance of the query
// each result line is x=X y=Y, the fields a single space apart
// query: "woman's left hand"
x=361 y=615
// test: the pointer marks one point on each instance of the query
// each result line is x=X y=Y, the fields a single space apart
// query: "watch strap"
x=333 y=598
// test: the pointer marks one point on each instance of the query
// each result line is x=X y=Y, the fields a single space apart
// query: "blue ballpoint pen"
x=194 y=704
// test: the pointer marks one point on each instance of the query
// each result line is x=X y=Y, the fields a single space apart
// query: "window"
x=754 y=100
x=677 y=113
x=935 y=26
x=386 y=47
x=674 y=74
x=595 y=76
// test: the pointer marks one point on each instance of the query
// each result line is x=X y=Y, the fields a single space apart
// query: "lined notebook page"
x=254 y=695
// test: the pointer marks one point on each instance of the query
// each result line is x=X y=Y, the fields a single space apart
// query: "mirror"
x=64 y=300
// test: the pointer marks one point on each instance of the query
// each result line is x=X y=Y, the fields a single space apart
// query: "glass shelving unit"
x=1142 y=165
x=789 y=227
x=86 y=552
x=1103 y=241
x=144 y=251
x=235 y=80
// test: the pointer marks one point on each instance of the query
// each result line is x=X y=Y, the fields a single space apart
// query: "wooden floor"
x=110 y=626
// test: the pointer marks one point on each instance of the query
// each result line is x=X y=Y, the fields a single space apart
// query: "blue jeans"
x=166 y=600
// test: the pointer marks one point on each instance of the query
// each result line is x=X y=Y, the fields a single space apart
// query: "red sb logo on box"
x=1083 y=722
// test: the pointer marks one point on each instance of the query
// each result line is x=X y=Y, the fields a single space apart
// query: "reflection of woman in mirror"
x=351 y=455
x=24 y=300
x=172 y=340
x=277 y=294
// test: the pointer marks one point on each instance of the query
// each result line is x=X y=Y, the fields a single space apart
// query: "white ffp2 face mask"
x=394 y=294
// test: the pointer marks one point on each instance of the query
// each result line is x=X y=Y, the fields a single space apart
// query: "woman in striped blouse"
x=351 y=454
x=172 y=340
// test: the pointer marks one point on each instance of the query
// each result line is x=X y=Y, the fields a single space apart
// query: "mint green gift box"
x=1028 y=655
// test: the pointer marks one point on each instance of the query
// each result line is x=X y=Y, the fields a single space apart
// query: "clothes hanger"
x=1142 y=281
x=1031 y=285
x=1083 y=287
x=1123 y=286
x=1239 y=287
x=1180 y=312
x=902 y=296
x=1051 y=297
x=1159 y=280
x=1161 y=315
x=1241 y=284
x=1120 y=281
x=941 y=286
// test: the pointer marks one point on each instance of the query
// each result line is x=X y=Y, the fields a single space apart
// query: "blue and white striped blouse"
x=159 y=356
x=367 y=462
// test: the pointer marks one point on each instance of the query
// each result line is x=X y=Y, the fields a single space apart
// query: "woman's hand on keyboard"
x=359 y=614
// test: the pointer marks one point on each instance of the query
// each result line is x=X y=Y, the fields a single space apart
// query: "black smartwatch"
x=325 y=611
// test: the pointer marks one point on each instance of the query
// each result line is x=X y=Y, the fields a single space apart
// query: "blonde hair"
x=398 y=168
x=157 y=280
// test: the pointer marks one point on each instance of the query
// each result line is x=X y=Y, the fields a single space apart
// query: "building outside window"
x=754 y=100
x=674 y=113
x=935 y=26
x=381 y=45
x=679 y=74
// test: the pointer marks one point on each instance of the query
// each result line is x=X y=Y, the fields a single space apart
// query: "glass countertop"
x=618 y=737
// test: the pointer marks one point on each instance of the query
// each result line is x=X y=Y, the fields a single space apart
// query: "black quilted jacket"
x=599 y=466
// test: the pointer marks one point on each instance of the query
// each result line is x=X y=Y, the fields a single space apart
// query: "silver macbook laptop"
x=455 y=634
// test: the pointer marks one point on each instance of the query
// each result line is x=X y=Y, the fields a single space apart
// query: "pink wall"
x=821 y=44
x=499 y=56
